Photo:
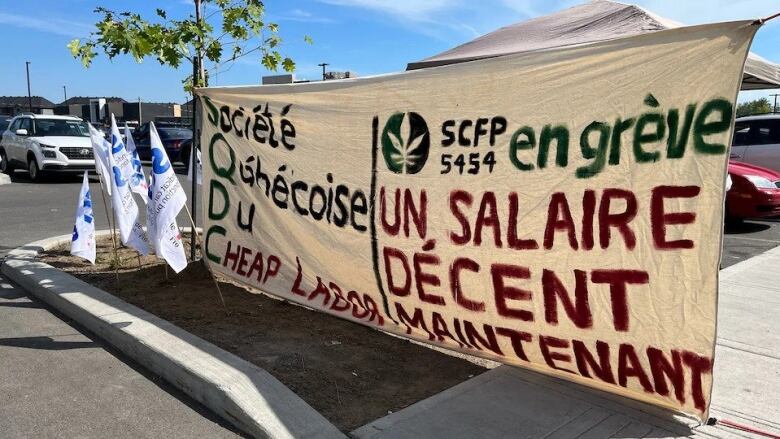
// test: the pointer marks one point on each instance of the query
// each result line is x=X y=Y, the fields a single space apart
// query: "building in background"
x=142 y=112
x=288 y=78
x=186 y=110
x=329 y=76
x=92 y=109
x=13 y=105
x=98 y=110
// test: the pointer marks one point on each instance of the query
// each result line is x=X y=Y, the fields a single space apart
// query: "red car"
x=755 y=192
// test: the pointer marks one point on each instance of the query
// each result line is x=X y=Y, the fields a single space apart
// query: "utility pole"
x=140 y=119
x=29 y=95
x=197 y=69
x=65 y=92
x=774 y=108
x=323 y=69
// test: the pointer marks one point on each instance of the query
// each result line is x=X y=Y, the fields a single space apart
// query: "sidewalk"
x=58 y=382
x=507 y=402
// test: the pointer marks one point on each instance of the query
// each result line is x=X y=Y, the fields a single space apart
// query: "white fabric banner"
x=137 y=179
x=123 y=159
x=560 y=211
x=166 y=199
x=126 y=210
x=100 y=149
x=83 y=241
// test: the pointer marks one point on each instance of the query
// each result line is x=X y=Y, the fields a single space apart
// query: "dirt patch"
x=350 y=373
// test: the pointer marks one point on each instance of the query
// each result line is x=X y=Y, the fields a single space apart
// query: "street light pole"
x=323 y=69
x=774 y=108
x=65 y=92
x=197 y=69
x=29 y=95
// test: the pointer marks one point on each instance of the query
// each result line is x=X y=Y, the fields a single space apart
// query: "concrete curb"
x=238 y=391
x=4 y=179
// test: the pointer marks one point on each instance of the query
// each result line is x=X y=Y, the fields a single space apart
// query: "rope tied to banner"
x=761 y=21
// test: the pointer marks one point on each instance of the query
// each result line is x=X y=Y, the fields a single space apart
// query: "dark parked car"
x=186 y=147
x=176 y=139
x=4 y=122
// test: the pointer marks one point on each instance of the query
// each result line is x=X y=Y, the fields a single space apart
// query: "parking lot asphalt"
x=32 y=211
x=749 y=239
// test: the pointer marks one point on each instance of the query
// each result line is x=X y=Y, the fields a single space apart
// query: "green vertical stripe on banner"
x=374 y=244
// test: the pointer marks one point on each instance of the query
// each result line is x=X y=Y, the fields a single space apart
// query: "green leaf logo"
x=405 y=143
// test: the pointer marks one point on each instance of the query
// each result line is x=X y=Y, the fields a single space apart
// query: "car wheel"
x=35 y=172
x=730 y=220
x=5 y=165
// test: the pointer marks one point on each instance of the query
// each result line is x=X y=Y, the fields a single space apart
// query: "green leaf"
x=74 y=47
x=405 y=143
x=214 y=51
x=307 y=39
x=170 y=41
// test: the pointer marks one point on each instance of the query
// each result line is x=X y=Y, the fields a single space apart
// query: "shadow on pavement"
x=46 y=343
x=11 y=293
x=745 y=227
x=31 y=305
x=24 y=177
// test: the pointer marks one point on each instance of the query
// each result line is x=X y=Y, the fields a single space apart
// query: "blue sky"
x=366 y=36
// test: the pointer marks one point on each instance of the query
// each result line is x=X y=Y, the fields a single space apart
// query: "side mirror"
x=21 y=132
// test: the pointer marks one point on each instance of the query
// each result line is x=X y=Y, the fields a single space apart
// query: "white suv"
x=757 y=141
x=43 y=143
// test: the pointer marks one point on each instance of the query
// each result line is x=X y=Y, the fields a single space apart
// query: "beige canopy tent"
x=598 y=20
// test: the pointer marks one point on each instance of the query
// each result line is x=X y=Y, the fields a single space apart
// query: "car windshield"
x=4 y=124
x=61 y=127
x=174 y=133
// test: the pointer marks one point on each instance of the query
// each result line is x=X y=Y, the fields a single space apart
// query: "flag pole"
x=113 y=230
x=195 y=234
x=197 y=75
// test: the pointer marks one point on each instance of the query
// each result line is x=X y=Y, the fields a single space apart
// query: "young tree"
x=758 y=106
x=244 y=31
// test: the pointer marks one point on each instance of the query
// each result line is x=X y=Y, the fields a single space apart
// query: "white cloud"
x=301 y=16
x=526 y=8
x=437 y=19
x=300 y=13
x=57 y=26
x=413 y=10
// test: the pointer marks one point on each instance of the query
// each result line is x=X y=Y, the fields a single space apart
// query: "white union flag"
x=100 y=148
x=123 y=159
x=137 y=179
x=83 y=241
x=126 y=210
x=166 y=199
